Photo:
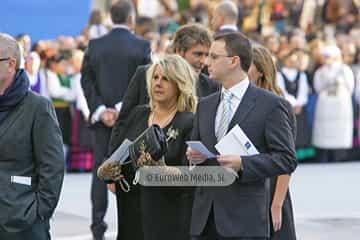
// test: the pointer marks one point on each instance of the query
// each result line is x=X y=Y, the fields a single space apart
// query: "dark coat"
x=31 y=146
x=109 y=64
x=242 y=209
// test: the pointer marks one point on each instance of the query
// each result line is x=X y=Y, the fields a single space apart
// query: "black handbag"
x=151 y=142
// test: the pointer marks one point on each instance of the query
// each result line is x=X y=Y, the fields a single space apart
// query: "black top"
x=153 y=212
x=292 y=87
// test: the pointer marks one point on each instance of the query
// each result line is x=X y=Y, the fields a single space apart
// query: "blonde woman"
x=262 y=72
x=157 y=212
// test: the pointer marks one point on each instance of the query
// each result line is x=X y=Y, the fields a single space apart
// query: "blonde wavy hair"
x=177 y=70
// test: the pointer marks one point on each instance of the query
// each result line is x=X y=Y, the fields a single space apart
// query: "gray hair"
x=9 y=47
x=229 y=9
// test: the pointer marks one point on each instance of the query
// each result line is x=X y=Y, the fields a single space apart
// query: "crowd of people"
x=302 y=36
x=114 y=80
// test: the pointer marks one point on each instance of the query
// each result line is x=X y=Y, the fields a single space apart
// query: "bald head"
x=226 y=12
x=228 y=9
x=9 y=47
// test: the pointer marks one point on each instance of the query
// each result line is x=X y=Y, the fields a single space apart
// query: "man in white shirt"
x=239 y=211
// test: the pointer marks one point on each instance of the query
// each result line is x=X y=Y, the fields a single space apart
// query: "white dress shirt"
x=81 y=103
x=238 y=91
x=229 y=26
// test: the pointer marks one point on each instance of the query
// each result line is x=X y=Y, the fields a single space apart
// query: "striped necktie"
x=225 y=116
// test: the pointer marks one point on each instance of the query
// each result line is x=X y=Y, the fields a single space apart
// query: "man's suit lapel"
x=209 y=123
x=246 y=105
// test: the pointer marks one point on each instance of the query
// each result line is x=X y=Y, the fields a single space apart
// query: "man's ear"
x=12 y=63
x=236 y=61
x=130 y=21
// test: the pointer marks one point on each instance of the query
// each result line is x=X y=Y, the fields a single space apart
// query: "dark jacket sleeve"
x=146 y=59
x=188 y=126
x=88 y=82
x=280 y=157
x=120 y=129
x=135 y=92
x=195 y=135
x=49 y=159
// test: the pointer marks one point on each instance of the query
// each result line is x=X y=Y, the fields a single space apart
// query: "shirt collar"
x=229 y=26
x=239 y=89
x=123 y=26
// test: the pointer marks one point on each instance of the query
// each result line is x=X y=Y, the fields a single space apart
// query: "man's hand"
x=276 y=216
x=194 y=156
x=297 y=110
x=109 y=117
x=230 y=161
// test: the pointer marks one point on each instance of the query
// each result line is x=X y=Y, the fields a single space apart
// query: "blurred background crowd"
x=315 y=43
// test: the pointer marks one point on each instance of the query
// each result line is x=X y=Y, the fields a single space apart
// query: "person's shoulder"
x=143 y=68
x=209 y=98
x=185 y=116
x=38 y=104
x=139 y=110
x=140 y=39
x=267 y=98
x=203 y=78
x=185 y=120
x=36 y=99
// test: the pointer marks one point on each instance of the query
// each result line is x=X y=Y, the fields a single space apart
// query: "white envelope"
x=236 y=143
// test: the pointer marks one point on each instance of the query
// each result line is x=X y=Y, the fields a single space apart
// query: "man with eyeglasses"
x=31 y=155
x=239 y=211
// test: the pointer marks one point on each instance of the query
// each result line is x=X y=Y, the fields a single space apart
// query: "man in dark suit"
x=108 y=66
x=192 y=42
x=31 y=157
x=225 y=18
x=240 y=210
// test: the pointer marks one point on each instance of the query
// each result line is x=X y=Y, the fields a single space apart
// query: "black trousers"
x=99 y=193
x=210 y=232
x=40 y=230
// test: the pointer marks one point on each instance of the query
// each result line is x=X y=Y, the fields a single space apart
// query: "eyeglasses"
x=214 y=56
x=4 y=59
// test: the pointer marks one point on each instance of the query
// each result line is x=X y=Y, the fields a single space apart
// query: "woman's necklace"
x=164 y=123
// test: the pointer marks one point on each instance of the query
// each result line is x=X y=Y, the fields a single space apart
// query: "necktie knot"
x=227 y=95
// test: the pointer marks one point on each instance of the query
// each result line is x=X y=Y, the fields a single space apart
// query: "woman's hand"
x=194 y=156
x=276 y=215
x=111 y=187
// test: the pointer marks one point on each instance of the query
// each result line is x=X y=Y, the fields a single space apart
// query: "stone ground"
x=326 y=200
